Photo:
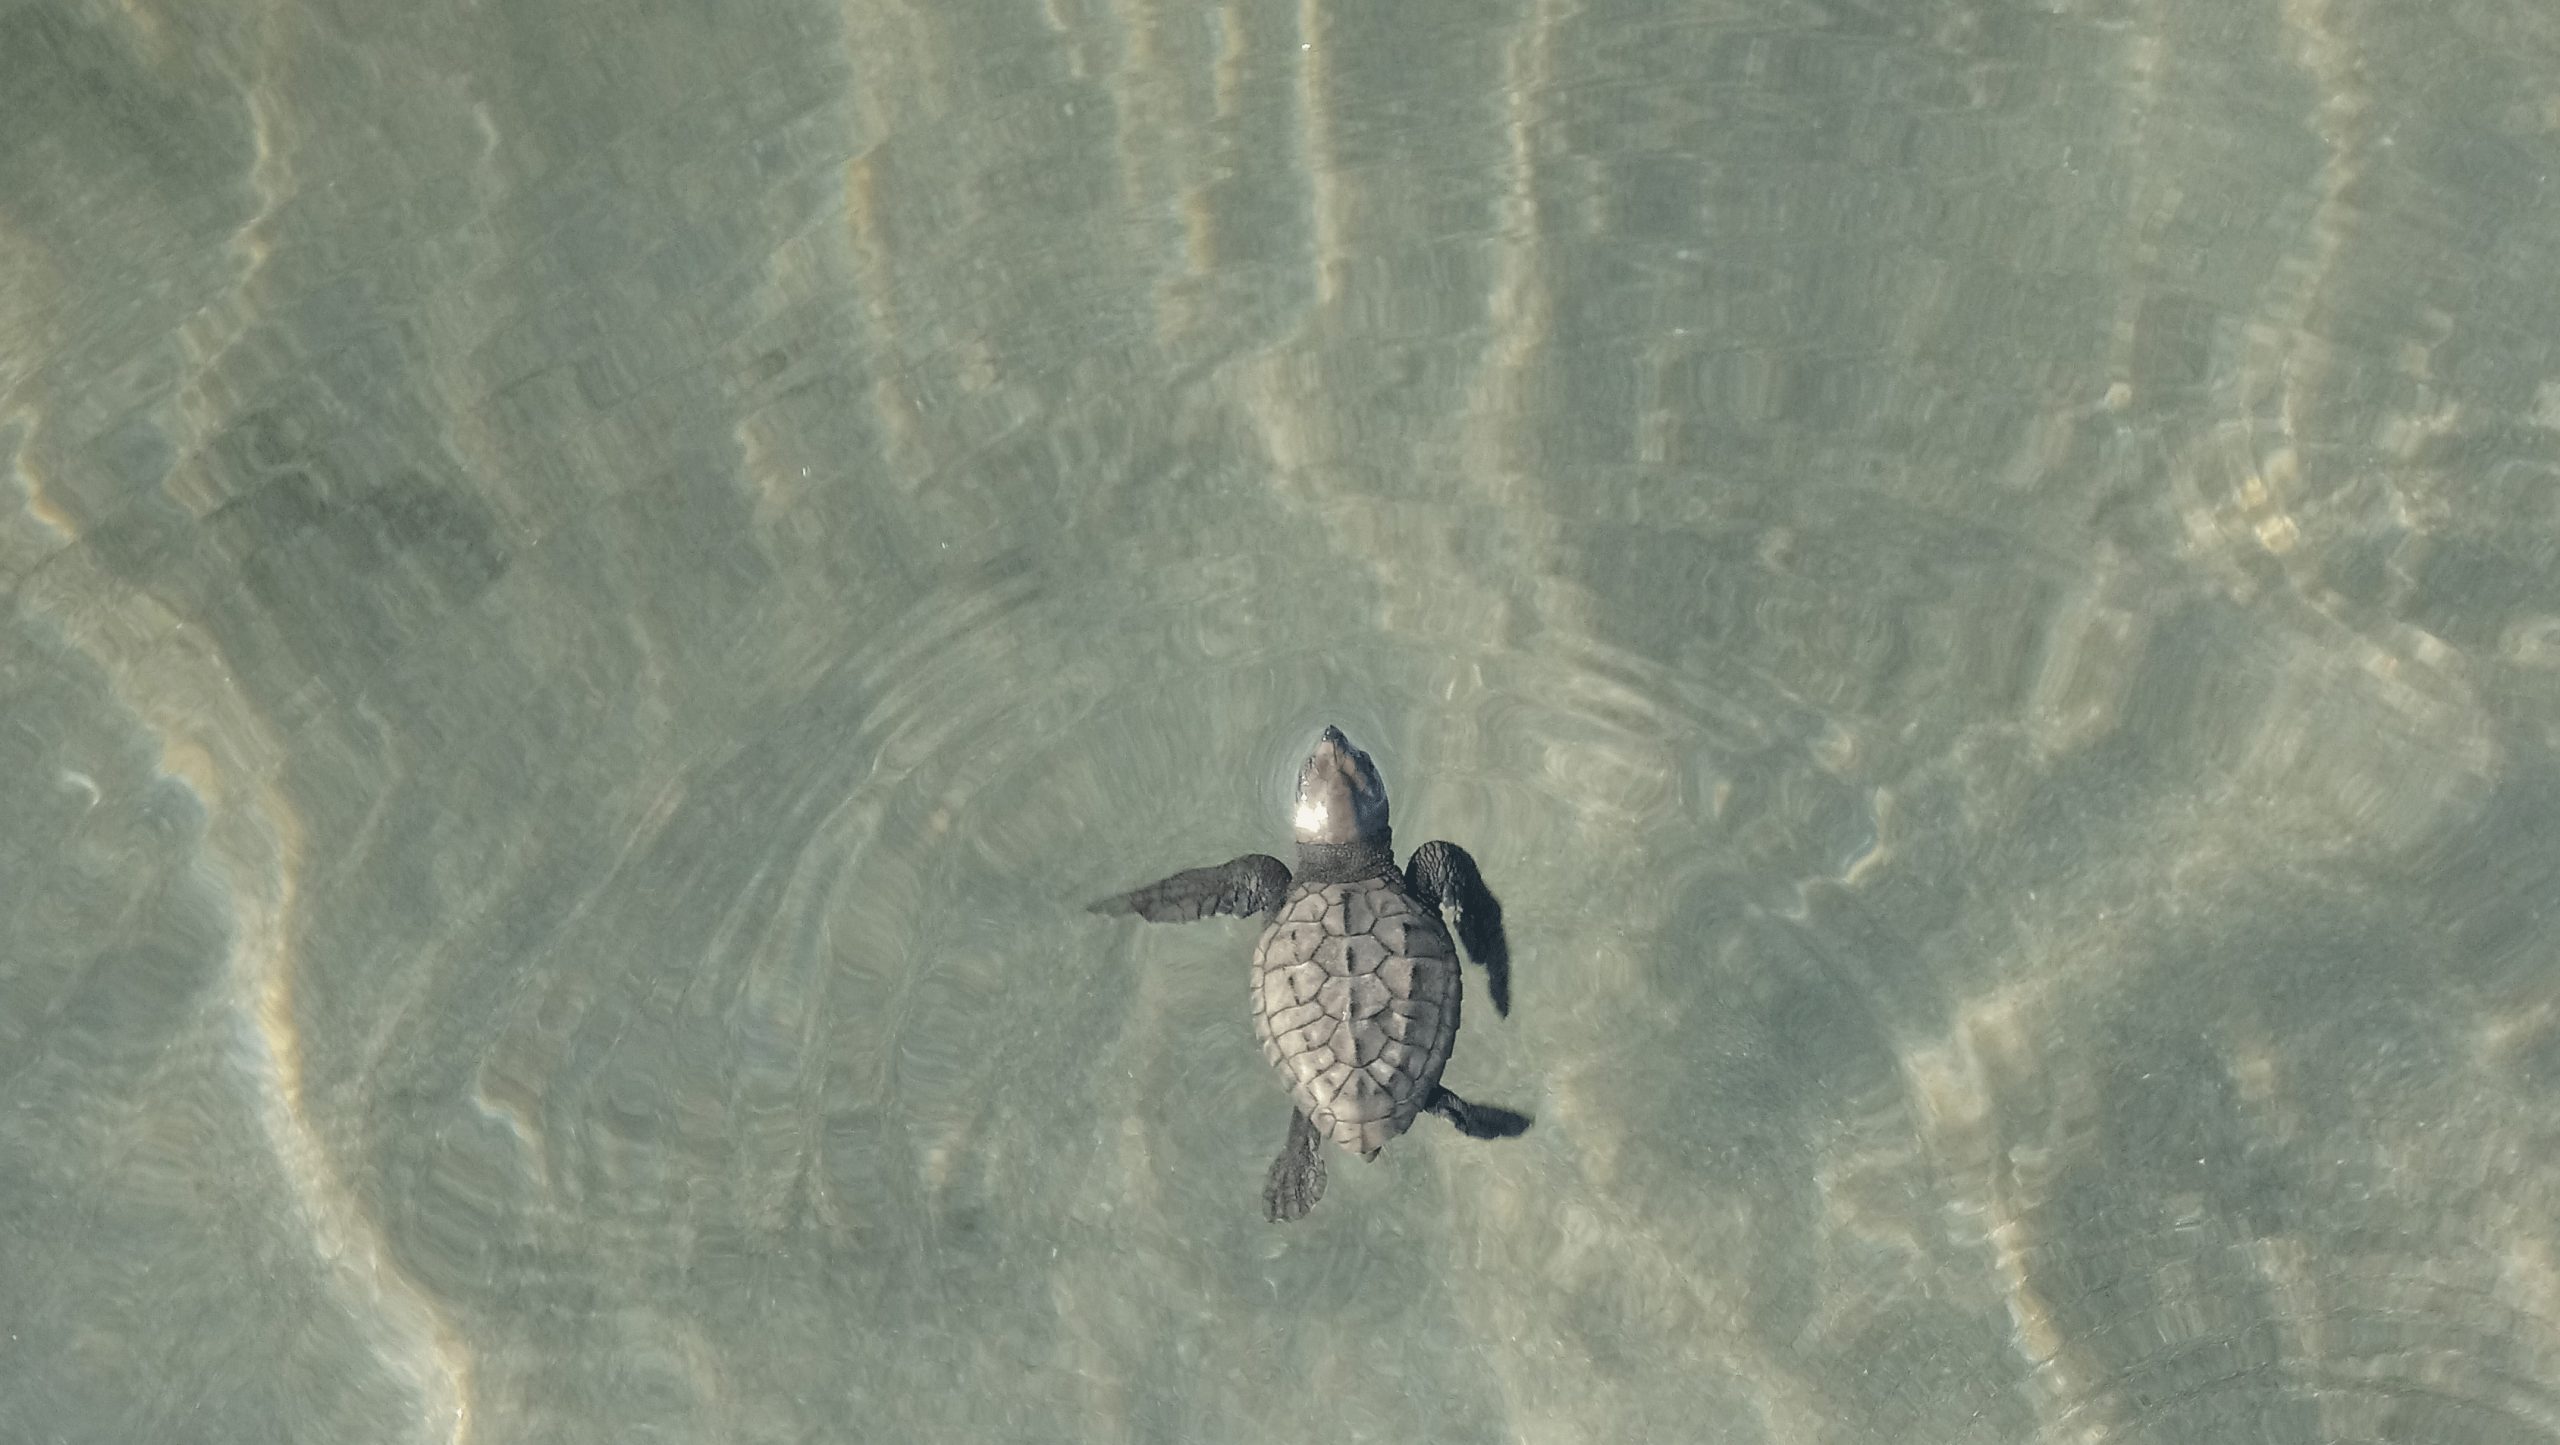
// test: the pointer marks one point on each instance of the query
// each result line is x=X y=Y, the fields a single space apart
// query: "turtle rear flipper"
x=1442 y=875
x=1297 y=1176
x=1478 y=1121
x=1254 y=883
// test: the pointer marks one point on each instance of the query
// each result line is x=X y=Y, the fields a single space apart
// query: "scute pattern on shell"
x=1355 y=1000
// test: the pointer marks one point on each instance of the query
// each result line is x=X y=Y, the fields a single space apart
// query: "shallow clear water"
x=590 y=589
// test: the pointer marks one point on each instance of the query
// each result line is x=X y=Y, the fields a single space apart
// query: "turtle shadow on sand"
x=1356 y=987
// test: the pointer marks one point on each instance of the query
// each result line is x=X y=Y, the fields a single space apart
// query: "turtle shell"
x=1355 y=1000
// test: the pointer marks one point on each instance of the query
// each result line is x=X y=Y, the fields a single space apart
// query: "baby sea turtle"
x=1355 y=982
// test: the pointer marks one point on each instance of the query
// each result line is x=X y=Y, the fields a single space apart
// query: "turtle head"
x=1340 y=799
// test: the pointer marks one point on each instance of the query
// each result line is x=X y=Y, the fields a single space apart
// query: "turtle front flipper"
x=1243 y=886
x=1297 y=1176
x=1442 y=875
x=1477 y=1121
